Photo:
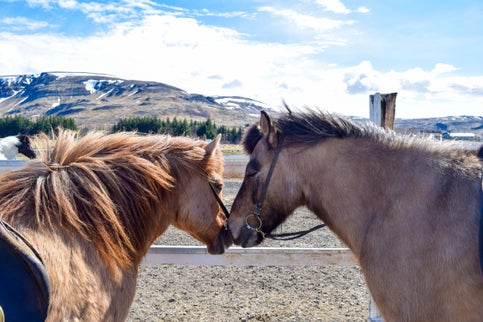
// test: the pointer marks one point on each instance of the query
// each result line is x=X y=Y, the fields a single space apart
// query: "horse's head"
x=24 y=146
x=12 y=145
x=268 y=194
x=199 y=212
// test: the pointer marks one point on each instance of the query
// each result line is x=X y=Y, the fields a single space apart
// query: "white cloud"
x=68 y=4
x=181 y=52
x=102 y=12
x=363 y=9
x=334 y=6
x=428 y=86
x=23 y=23
x=319 y=24
x=443 y=69
x=229 y=14
x=200 y=58
x=41 y=3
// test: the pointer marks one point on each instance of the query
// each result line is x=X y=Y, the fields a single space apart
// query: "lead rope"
x=293 y=235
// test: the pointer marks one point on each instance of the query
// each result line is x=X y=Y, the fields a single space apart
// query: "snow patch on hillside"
x=236 y=102
x=54 y=105
x=93 y=85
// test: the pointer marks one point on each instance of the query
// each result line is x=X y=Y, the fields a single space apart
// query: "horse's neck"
x=8 y=150
x=346 y=187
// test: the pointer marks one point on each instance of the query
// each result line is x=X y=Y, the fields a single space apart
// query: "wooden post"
x=382 y=109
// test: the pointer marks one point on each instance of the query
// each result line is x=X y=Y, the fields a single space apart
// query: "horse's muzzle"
x=247 y=238
x=222 y=242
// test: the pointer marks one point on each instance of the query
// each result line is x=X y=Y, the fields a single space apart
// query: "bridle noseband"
x=258 y=209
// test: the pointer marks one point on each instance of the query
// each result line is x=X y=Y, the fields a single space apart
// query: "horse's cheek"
x=255 y=188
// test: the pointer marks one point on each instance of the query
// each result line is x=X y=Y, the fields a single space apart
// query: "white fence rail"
x=258 y=256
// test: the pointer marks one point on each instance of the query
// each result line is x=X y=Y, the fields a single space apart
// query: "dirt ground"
x=252 y=293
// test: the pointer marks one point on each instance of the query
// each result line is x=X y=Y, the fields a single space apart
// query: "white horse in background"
x=10 y=146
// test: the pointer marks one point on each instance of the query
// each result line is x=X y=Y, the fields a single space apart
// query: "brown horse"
x=408 y=208
x=94 y=205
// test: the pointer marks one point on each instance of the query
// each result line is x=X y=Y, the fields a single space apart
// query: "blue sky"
x=328 y=54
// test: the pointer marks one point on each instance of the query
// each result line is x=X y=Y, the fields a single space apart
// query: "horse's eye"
x=251 y=172
x=217 y=186
x=252 y=168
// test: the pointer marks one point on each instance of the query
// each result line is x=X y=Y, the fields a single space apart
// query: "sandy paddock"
x=252 y=293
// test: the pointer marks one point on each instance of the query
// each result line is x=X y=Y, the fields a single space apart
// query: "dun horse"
x=94 y=205
x=408 y=208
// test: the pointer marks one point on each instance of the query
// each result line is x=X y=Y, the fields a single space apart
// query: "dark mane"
x=102 y=186
x=306 y=128
x=313 y=126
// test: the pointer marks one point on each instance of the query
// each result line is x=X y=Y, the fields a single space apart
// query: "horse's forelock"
x=251 y=138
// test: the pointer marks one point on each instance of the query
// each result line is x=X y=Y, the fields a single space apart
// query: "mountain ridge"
x=98 y=101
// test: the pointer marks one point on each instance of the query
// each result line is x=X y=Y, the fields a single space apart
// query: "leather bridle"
x=258 y=209
x=221 y=204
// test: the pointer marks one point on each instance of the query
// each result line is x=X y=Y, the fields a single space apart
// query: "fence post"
x=382 y=111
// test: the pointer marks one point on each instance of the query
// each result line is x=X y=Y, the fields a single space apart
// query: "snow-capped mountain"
x=99 y=101
x=95 y=100
x=447 y=124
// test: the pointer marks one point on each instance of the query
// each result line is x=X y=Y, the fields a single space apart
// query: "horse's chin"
x=222 y=241
x=251 y=243
x=248 y=238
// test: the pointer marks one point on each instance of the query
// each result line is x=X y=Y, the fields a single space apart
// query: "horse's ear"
x=211 y=147
x=267 y=128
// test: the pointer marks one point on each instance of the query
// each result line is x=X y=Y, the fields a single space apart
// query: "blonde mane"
x=101 y=187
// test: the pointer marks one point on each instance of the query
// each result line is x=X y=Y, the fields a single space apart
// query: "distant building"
x=460 y=136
